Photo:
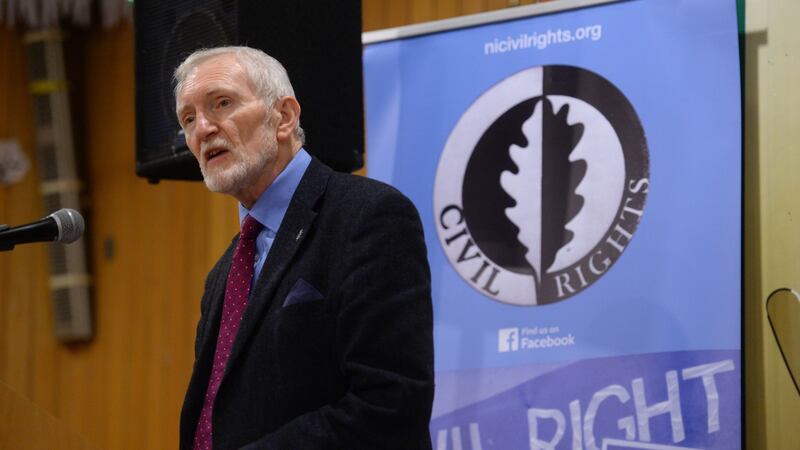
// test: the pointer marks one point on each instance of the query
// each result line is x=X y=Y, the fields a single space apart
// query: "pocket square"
x=302 y=292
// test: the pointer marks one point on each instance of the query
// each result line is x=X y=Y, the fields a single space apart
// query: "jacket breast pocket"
x=302 y=293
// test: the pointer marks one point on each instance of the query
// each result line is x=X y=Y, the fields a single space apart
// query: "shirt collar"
x=271 y=206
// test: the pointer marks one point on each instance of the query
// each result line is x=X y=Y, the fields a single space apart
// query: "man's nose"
x=205 y=127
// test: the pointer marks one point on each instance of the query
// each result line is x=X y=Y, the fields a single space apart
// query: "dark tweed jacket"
x=335 y=348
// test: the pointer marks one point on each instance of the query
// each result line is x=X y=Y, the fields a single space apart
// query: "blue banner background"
x=677 y=286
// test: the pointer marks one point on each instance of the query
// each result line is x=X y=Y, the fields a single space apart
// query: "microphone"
x=65 y=225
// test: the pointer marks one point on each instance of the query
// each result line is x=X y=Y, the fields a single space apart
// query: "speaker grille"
x=48 y=167
x=37 y=65
x=60 y=186
x=167 y=32
x=58 y=260
x=42 y=111
x=318 y=42
x=62 y=311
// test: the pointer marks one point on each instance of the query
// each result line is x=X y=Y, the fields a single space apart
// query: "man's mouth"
x=214 y=153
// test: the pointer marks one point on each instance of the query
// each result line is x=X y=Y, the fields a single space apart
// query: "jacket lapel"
x=294 y=228
x=215 y=298
x=206 y=339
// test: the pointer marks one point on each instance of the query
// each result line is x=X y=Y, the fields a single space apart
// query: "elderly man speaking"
x=316 y=323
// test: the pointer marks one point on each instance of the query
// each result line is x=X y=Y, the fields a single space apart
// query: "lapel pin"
x=299 y=235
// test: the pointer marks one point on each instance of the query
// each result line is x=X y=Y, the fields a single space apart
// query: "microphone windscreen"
x=70 y=225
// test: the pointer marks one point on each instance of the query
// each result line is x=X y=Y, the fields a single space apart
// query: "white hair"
x=268 y=76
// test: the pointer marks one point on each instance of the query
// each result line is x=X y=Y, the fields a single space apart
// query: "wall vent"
x=60 y=185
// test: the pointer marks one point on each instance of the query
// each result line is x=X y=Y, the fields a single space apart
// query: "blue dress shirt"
x=270 y=208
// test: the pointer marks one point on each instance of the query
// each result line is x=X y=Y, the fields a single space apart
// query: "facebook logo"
x=508 y=339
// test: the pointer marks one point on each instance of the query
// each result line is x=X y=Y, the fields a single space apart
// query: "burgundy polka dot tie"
x=237 y=290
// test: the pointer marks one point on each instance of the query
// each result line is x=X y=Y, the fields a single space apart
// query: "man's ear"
x=289 y=109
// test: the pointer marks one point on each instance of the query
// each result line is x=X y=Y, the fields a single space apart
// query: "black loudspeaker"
x=319 y=43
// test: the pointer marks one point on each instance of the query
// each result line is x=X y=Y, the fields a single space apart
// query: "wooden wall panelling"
x=444 y=9
x=166 y=237
x=374 y=14
x=399 y=13
x=492 y=5
x=378 y=14
x=772 y=43
x=106 y=89
x=23 y=272
x=123 y=390
x=473 y=6
x=422 y=10
x=771 y=244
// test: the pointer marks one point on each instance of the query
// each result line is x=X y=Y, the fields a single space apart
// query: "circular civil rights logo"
x=541 y=185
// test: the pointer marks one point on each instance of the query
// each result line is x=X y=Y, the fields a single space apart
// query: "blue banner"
x=578 y=175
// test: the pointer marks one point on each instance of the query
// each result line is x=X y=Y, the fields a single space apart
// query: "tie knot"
x=250 y=228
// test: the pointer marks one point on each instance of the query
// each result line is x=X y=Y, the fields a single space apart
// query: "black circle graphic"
x=566 y=185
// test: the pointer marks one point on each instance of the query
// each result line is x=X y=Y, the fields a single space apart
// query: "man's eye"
x=224 y=102
x=188 y=119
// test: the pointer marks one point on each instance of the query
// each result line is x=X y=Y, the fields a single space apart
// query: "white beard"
x=243 y=172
